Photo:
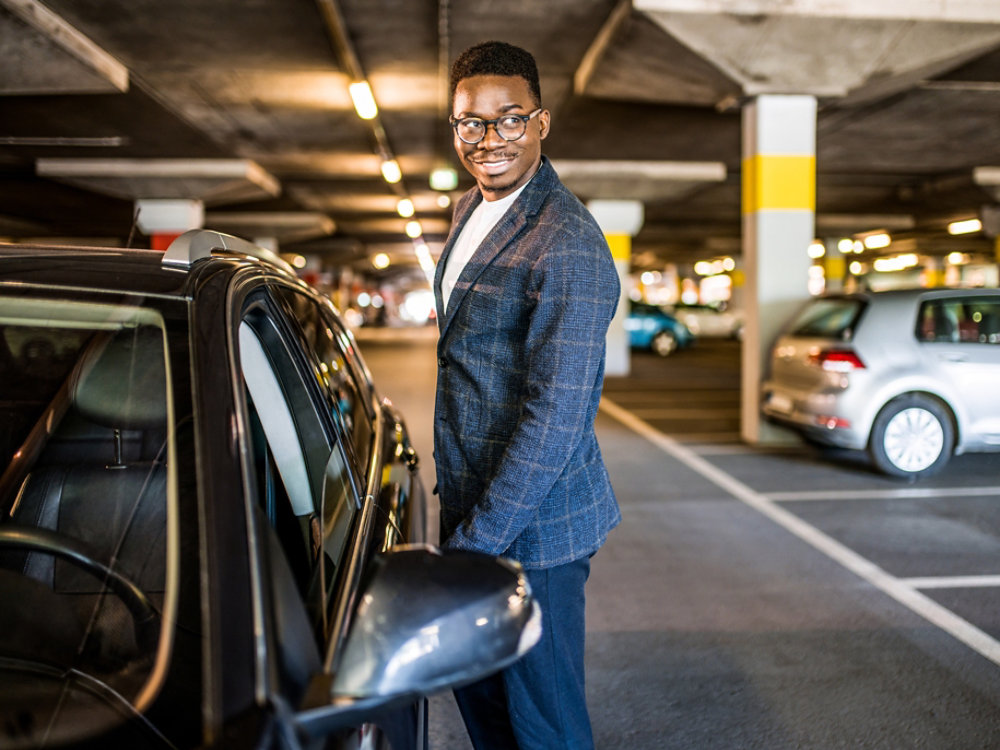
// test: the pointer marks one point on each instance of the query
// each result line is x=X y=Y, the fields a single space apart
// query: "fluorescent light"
x=391 y=171
x=413 y=229
x=876 y=241
x=444 y=178
x=965 y=227
x=846 y=245
x=405 y=208
x=817 y=250
x=364 y=100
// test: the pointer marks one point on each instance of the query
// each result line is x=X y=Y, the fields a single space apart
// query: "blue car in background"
x=651 y=327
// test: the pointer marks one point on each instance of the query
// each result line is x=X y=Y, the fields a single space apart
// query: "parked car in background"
x=211 y=527
x=709 y=321
x=651 y=327
x=908 y=375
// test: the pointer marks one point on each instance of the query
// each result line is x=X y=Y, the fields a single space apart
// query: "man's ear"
x=544 y=123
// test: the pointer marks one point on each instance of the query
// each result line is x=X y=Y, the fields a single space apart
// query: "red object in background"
x=162 y=241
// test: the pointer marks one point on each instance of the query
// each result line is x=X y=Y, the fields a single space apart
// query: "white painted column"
x=779 y=203
x=620 y=220
x=165 y=219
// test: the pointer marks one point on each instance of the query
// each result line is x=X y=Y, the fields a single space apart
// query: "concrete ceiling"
x=244 y=104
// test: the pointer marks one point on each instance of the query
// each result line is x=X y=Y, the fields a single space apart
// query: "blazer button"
x=442 y=362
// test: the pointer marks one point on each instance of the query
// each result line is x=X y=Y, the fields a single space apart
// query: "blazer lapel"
x=463 y=211
x=506 y=230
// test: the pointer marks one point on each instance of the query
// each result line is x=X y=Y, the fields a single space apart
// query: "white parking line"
x=901 y=493
x=952 y=582
x=894 y=587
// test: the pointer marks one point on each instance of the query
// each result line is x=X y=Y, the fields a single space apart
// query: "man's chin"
x=497 y=188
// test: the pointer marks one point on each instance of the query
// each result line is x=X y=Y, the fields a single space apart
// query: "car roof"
x=124 y=270
x=914 y=292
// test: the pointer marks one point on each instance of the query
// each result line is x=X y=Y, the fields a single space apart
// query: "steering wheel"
x=33 y=539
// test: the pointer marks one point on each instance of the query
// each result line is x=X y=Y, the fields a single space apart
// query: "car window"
x=833 y=318
x=967 y=320
x=336 y=369
x=87 y=450
x=304 y=480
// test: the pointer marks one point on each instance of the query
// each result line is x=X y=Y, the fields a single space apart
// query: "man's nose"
x=492 y=138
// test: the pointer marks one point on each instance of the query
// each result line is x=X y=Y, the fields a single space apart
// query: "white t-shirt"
x=483 y=219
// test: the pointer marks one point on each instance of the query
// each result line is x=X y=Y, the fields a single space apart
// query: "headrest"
x=123 y=384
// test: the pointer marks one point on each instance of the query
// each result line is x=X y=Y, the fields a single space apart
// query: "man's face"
x=500 y=167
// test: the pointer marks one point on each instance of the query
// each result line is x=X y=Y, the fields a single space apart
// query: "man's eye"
x=472 y=124
x=510 y=122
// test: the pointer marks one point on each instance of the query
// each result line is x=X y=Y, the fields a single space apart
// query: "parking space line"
x=902 y=492
x=896 y=588
x=952 y=582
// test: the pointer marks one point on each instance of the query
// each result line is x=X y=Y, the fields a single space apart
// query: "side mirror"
x=426 y=621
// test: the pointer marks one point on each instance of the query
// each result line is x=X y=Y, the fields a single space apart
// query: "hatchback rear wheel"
x=664 y=343
x=913 y=436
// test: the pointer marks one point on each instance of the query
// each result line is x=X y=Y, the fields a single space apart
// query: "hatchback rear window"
x=833 y=318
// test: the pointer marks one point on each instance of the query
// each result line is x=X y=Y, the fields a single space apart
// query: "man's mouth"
x=495 y=163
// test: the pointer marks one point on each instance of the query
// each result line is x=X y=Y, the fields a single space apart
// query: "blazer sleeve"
x=577 y=290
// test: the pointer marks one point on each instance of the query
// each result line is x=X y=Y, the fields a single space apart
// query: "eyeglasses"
x=508 y=127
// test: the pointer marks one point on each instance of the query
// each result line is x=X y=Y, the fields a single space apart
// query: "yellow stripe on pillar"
x=779 y=183
x=621 y=246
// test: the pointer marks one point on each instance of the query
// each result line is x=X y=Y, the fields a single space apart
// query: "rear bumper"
x=820 y=417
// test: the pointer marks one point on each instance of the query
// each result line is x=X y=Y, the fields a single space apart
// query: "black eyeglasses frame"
x=456 y=121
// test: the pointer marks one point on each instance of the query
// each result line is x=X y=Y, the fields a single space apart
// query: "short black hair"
x=497 y=59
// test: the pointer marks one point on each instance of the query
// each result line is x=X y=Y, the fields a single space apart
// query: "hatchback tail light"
x=836 y=360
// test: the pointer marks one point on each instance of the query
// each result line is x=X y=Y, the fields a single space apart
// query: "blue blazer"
x=520 y=370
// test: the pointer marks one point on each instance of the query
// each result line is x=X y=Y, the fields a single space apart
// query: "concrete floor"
x=754 y=599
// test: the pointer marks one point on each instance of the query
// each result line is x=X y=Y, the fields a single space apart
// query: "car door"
x=310 y=434
x=960 y=340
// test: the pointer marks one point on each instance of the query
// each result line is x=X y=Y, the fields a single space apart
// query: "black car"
x=212 y=528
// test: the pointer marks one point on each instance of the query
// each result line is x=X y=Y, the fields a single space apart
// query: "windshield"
x=828 y=318
x=88 y=506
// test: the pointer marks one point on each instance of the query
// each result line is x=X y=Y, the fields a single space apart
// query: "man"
x=525 y=289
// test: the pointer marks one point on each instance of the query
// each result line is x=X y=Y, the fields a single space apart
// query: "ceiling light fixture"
x=877 y=240
x=380 y=261
x=364 y=100
x=965 y=227
x=444 y=179
x=405 y=208
x=413 y=229
x=391 y=171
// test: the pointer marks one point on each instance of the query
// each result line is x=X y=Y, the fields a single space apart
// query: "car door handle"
x=953 y=357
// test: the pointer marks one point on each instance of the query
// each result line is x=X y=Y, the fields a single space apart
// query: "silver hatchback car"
x=911 y=376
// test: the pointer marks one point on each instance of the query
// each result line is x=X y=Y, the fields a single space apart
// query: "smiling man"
x=525 y=288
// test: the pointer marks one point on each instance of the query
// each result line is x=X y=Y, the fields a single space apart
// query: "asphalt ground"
x=753 y=598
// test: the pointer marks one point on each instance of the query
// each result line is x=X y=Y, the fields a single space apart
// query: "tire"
x=664 y=343
x=912 y=437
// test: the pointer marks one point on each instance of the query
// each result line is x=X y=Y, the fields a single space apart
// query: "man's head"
x=495 y=93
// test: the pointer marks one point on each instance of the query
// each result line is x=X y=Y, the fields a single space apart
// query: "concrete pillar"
x=620 y=220
x=834 y=265
x=165 y=219
x=779 y=203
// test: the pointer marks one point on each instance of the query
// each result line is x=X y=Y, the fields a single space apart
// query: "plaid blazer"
x=520 y=370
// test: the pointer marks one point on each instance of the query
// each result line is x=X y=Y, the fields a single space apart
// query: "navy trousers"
x=539 y=702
